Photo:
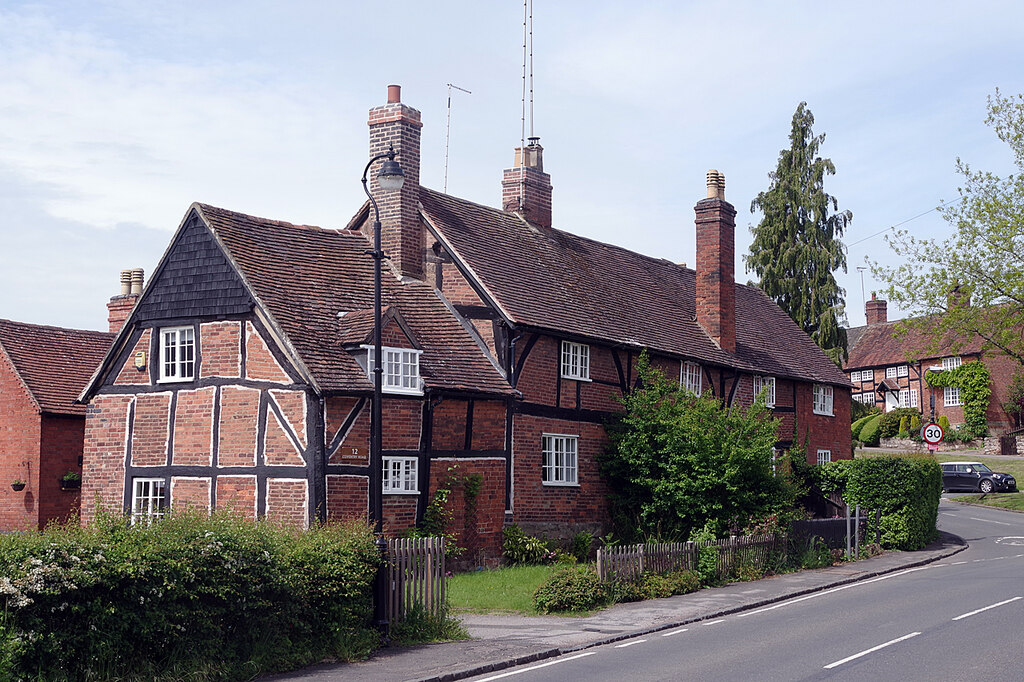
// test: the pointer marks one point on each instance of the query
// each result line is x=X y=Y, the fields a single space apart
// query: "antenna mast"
x=448 y=130
x=527 y=61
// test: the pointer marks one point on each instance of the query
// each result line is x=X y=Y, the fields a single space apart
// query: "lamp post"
x=389 y=178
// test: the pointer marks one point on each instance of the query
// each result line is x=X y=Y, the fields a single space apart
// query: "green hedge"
x=193 y=596
x=869 y=433
x=905 y=489
x=858 y=425
x=889 y=424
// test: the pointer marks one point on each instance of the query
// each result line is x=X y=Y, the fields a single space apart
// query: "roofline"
x=463 y=266
x=260 y=309
x=21 y=379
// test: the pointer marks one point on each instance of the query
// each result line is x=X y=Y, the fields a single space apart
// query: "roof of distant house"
x=883 y=343
x=550 y=279
x=54 y=363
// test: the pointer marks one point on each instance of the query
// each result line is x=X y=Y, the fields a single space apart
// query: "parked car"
x=975 y=476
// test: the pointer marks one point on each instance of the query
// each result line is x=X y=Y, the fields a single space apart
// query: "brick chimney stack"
x=526 y=188
x=716 y=281
x=120 y=307
x=875 y=310
x=402 y=235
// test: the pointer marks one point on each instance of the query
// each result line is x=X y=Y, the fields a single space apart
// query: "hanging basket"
x=18 y=486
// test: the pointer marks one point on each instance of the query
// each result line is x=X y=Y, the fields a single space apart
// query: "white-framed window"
x=575 y=361
x=559 y=459
x=866 y=398
x=855 y=377
x=766 y=384
x=690 y=377
x=951 y=396
x=951 y=362
x=149 y=499
x=822 y=400
x=401 y=369
x=177 y=353
x=400 y=475
x=908 y=397
x=890 y=372
x=903 y=371
x=824 y=457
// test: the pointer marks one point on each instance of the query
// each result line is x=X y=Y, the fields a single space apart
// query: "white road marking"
x=715 y=622
x=836 y=589
x=674 y=632
x=958 y=563
x=537 y=667
x=1001 y=523
x=871 y=650
x=973 y=613
x=631 y=643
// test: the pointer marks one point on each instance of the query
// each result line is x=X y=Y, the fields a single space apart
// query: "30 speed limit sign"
x=931 y=433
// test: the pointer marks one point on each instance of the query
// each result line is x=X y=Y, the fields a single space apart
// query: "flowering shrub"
x=195 y=595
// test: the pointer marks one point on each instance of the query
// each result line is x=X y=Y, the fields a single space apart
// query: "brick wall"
x=237 y=494
x=347 y=498
x=403 y=421
x=822 y=431
x=60 y=452
x=191 y=492
x=287 y=501
x=399 y=513
x=220 y=345
x=716 y=290
x=239 y=412
x=259 y=362
x=478 y=530
x=193 y=427
x=355 y=446
x=104 y=453
x=129 y=373
x=150 y=430
x=20 y=434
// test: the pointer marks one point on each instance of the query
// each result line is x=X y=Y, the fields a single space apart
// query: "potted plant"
x=18 y=484
x=72 y=480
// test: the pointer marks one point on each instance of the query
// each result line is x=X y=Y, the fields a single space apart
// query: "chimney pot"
x=126 y=282
x=137 y=281
x=875 y=310
x=394 y=94
x=716 y=185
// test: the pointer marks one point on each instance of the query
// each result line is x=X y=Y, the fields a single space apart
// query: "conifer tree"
x=796 y=247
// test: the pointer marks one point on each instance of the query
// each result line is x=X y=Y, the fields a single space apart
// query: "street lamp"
x=389 y=178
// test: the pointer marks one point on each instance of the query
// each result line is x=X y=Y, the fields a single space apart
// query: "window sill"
x=401 y=492
x=401 y=391
x=175 y=380
x=551 y=484
x=587 y=379
x=824 y=414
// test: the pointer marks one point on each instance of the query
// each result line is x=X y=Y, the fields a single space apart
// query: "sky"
x=115 y=115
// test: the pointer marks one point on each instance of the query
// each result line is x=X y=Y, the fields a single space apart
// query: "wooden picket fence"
x=629 y=561
x=416 y=572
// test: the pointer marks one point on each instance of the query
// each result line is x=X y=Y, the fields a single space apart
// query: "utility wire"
x=904 y=222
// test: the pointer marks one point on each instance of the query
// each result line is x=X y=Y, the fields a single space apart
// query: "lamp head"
x=390 y=176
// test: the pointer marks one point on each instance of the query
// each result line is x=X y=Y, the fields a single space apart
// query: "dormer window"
x=401 y=369
x=177 y=354
x=575 y=361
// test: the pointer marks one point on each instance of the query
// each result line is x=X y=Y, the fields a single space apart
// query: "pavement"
x=504 y=641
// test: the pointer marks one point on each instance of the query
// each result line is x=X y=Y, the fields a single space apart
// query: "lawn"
x=504 y=590
x=1013 y=501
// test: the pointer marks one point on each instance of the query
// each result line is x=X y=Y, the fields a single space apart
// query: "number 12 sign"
x=931 y=433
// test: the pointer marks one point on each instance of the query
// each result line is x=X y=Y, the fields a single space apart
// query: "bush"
x=521 y=549
x=869 y=435
x=420 y=626
x=655 y=586
x=580 y=546
x=889 y=423
x=905 y=489
x=574 y=588
x=858 y=426
x=944 y=423
x=915 y=425
x=859 y=410
x=205 y=596
x=904 y=431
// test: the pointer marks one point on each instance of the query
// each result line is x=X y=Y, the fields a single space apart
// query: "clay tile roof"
x=356 y=327
x=55 y=363
x=880 y=344
x=555 y=280
x=306 y=275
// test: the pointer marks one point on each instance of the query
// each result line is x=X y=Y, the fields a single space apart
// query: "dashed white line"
x=630 y=643
x=973 y=613
x=958 y=563
x=537 y=667
x=1001 y=523
x=674 y=632
x=871 y=650
x=715 y=622
x=835 y=589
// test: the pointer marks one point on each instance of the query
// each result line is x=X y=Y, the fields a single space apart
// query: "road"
x=957 y=619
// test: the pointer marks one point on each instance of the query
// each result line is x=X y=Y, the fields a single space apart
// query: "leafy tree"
x=796 y=247
x=971 y=284
x=679 y=462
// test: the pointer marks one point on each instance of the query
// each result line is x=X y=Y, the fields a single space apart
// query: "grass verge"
x=504 y=590
x=1014 y=501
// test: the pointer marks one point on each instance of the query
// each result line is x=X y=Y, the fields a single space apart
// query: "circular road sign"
x=931 y=433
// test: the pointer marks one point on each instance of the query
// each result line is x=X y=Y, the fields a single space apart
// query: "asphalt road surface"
x=961 y=618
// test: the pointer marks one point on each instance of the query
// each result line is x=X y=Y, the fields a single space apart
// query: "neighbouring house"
x=239 y=379
x=887 y=367
x=42 y=371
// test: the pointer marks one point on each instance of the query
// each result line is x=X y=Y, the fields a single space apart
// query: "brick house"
x=882 y=373
x=42 y=371
x=240 y=377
